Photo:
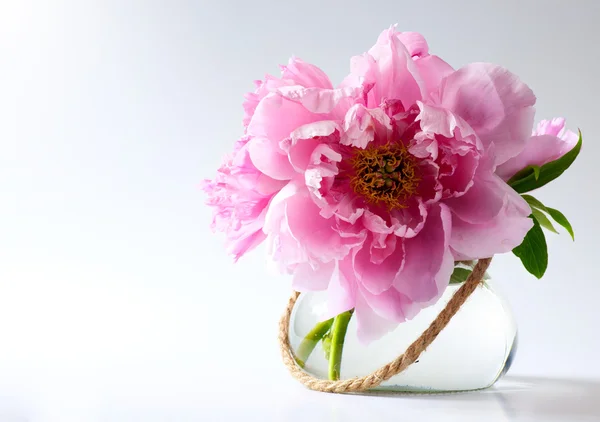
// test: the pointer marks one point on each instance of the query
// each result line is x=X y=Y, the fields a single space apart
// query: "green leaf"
x=527 y=180
x=556 y=215
x=533 y=252
x=534 y=202
x=524 y=173
x=459 y=275
x=543 y=220
x=560 y=218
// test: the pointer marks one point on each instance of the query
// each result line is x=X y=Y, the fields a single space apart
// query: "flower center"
x=385 y=175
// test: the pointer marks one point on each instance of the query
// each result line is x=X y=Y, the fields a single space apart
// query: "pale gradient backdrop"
x=117 y=302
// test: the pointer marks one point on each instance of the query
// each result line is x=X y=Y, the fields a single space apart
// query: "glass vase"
x=475 y=349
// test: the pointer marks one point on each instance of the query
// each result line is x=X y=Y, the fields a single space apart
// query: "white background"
x=117 y=303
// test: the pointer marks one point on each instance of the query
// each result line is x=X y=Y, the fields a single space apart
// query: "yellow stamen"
x=385 y=175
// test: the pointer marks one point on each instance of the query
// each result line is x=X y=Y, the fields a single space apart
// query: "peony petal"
x=386 y=72
x=442 y=278
x=270 y=159
x=435 y=121
x=382 y=247
x=502 y=234
x=276 y=117
x=318 y=100
x=297 y=72
x=459 y=179
x=283 y=249
x=263 y=88
x=370 y=326
x=393 y=73
x=377 y=278
x=305 y=74
x=486 y=197
x=482 y=202
x=276 y=210
x=430 y=188
x=415 y=43
x=316 y=235
x=554 y=127
x=309 y=279
x=241 y=246
x=424 y=147
x=408 y=222
x=266 y=185
x=341 y=293
x=305 y=140
x=494 y=102
x=391 y=305
x=362 y=125
x=432 y=70
x=347 y=208
x=540 y=149
x=313 y=130
x=320 y=172
x=424 y=257
x=375 y=223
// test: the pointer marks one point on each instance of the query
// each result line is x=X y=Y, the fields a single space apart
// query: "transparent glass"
x=472 y=352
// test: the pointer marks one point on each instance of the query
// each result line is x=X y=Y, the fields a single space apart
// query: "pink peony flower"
x=373 y=189
x=239 y=195
x=549 y=142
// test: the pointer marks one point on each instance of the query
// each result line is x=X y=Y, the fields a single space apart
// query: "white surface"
x=116 y=301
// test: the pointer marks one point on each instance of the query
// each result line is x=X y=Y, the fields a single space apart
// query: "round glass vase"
x=475 y=349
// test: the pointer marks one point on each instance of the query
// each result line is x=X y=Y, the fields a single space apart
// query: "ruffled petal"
x=387 y=71
x=436 y=121
x=555 y=127
x=549 y=142
x=319 y=100
x=391 y=305
x=305 y=74
x=320 y=172
x=502 y=234
x=304 y=141
x=458 y=173
x=431 y=69
x=486 y=198
x=362 y=125
x=494 y=102
x=297 y=72
x=316 y=235
x=284 y=250
x=394 y=73
x=377 y=278
x=276 y=117
x=375 y=223
x=263 y=88
x=419 y=276
x=408 y=222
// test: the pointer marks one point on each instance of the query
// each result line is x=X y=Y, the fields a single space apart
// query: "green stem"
x=338 y=334
x=311 y=340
